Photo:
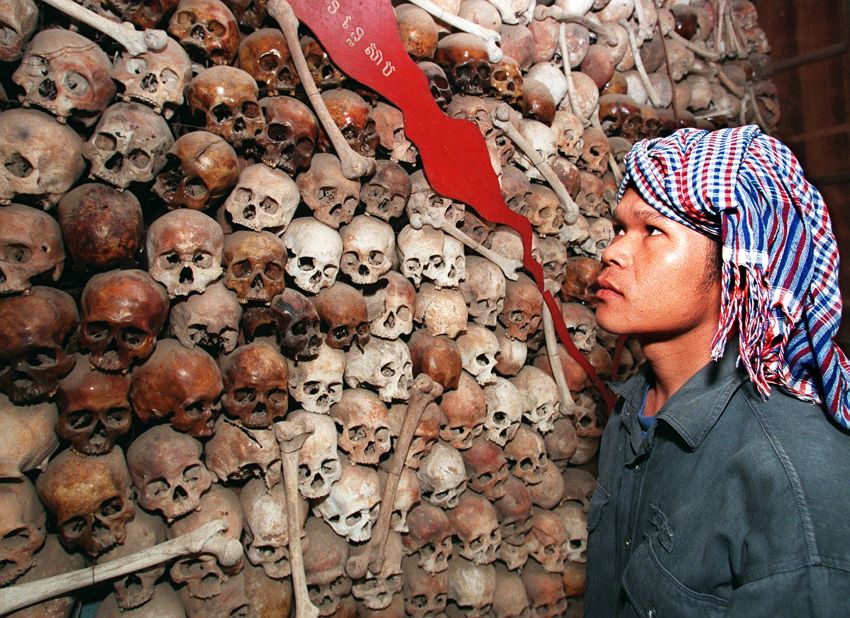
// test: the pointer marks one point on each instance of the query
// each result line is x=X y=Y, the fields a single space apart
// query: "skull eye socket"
x=340 y=332
x=116 y=417
x=338 y=585
x=278 y=132
x=376 y=258
x=134 y=337
x=482 y=359
x=245 y=395
x=193 y=473
x=250 y=109
x=419 y=601
x=273 y=270
x=299 y=328
x=110 y=507
x=16 y=540
x=80 y=419
x=157 y=488
x=484 y=477
x=42 y=358
x=216 y=28
x=76 y=83
x=269 y=61
x=186 y=18
x=169 y=260
x=202 y=259
x=74 y=527
x=139 y=158
x=354 y=518
x=105 y=141
x=311 y=388
x=241 y=269
x=16 y=253
x=194 y=410
x=169 y=78
x=306 y=263
x=221 y=112
x=388 y=371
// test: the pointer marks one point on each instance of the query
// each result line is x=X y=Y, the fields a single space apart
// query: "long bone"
x=572 y=97
x=559 y=14
x=644 y=78
x=551 y=339
x=290 y=437
x=490 y=37
x=502 y=119
x=354 y=165
x=507 y=12
x=132 y=40
x=423 y=391
x=207 y=539
x=508 y=266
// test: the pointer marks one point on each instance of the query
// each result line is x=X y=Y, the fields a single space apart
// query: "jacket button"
x=627 y=543
x=650 y=612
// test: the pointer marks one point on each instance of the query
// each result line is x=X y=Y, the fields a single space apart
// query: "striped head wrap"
x=780 y=259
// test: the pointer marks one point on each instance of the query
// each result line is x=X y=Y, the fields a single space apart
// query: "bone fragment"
x=572 y=97
x=760 y=121
x=207 y=540
x=354 y=165
x=561 y=15
x=508 y=14
x=612 y=162
x=508 y=266
x=290 y=437
x=502 y=120
x=719 y=40
x=490 y=37
x=132 y=40
x=644 y=78
x=551 y=340
x=423 y=391
x=699 y=50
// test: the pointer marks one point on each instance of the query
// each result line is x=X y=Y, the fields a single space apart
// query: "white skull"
x=550 y=75
x=319 y=466
x=425 y=207
x=382 y=364
x=263 y=199
x=542 y=391
x=471 y=586
x=478 y=349
x=483 y=290
x=352 y=506
x=542 y=139
x=209 y=319
x=431 y=254
x=317 y=384
x=574 y=520
x=390 y=307
x=505 y=405
x=442 y=476
x=512 y=354
x=442 y=311
x=575 y=234
x=368 y=249
x=569 y=134
x=314 y=251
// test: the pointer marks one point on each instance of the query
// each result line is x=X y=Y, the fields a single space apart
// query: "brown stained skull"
x=66 y=74
x=209 y=320
x=157 y=79
x=254 y=265
x=376 y=591
x=353 y=117
x=390 y=306
x=544 y=210
x=297 y=325
x=123 y=313
x=28 y=437
x=425 y=435
x=545 y=591
x=103 y=227
x=417 y=30
x=522 y=309
x=438 y=83
x=255 y=385
x=91 y=499
x=514 y=512
x=30 y=163
x=289 y=137
x=591 y=196
x=22 y=529
x=437 y=356
x=429 y=539
x=207 y=30
x=466 y=410
x=30 y=246
x=342 y=310
x=389 y=123
x=594 y=155
x=20 y=20
x=128 y=145
x=325 y=73
x=324 y=566
x=94 y=408
x=475 y=525
x=36 y=328
x=178 y=385
x=387 y=192
x=506 y=82
x=363 y=424
x=236 y=454
x=331 y=196
x=486 y=468
x=227 y=99
x=185 y=250
x=264 y=55
x=200 y=168
x=471 y=588
x=509 y=599
x=464 y=58
x=425 y=595
x=526 y=455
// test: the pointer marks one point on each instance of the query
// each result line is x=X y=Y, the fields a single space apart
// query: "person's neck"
x=674 y=361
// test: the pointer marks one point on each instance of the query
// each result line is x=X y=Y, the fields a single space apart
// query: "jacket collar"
x=695 y=408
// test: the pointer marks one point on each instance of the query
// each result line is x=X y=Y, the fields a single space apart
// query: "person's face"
x=657 y=279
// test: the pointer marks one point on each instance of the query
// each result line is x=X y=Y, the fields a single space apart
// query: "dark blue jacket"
x=730 y=506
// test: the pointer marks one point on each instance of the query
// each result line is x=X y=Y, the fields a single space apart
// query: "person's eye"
x=653 y=231
x=618 y=230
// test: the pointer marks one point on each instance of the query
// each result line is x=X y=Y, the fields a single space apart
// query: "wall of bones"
x=207 y=278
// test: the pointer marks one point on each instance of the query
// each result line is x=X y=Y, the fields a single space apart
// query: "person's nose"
x=617 y=253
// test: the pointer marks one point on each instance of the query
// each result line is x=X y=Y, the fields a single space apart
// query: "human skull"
x=464 y=58
x=390 y=306
x=156 y=78
x=236 y=453
x=514 y=512
x=123 y=313
x=505 y=406
x=486 y=468
x=376 y=591
x=431 y=254
x=509 y=599
x=314 y=252
x=209 y=319
x=264 y=55
x=368 y=249
x=437 y=356
x=425 y=595
x=91 y=499
x=30 y=245
x=66 y=74
x=545 y=590
x=442 y=476
x=20 y=21
x=167 y=471
x=429 y=539
x=547 y=493
x=526 y=455
x=324 y=566
x=471 y=587
x=289 y=138
x=297 y=324
x=384 y=365
x=544 y=210
x=522 y=310
x=327 y=192
x=29 y=437
x=546 y=540
x=185 y=250
x=425 y=435
x=553 y=258
x=23 y=529
x=319 y=466
x=542 y=392
x=465 y=409
x=199 y=169
x=601 y=233
x=442 y=311
x=227 y=99
x=31 y=163
x=94 y=409
x=351 y=507
x=317 y=383
x=254 y=264
x=506 y=81
x=438 y=83
x=389 y=124
x=512 y=354
x=387 y=192
x=343 y=314
x=478 y=348
x=207 y=30
x=353 y=117
x=363 y=422
x=581 y=324
x=128 y=145
x=426 y=206
x=417 y=30
x=35 y=329
x=178 y=384
x=255 y=385
x=569 y=135
x=263 y=199
x=474 y=523
x=483 y=290
x=561 y=441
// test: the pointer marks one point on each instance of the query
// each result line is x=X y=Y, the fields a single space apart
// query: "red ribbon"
x=361 y=37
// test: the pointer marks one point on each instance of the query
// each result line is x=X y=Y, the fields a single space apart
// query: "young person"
x=723 y=471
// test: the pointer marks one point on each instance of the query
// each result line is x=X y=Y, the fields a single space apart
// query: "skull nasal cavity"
x=47 y=89
x=186 y=275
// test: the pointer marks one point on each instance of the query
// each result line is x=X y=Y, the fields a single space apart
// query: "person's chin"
x=610 y=319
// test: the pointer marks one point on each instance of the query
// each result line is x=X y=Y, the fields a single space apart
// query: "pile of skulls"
x=240 y=263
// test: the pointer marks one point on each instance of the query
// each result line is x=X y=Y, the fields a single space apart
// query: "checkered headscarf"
x=780 y=260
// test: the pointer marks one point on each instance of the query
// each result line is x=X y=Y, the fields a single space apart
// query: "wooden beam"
x=813 y=56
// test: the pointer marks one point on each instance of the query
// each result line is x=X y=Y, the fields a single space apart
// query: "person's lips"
x=606 y=290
